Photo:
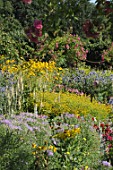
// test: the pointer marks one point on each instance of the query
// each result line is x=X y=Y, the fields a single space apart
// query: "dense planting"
x=56 y=112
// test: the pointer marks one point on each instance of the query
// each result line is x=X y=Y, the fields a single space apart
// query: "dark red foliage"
x=88 y=28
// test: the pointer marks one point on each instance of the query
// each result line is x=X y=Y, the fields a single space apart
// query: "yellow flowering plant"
x=72 y=144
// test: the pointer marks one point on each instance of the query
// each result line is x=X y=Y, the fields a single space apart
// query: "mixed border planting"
x=56 y=109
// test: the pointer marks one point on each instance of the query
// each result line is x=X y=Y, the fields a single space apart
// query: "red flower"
x=96 y=127
x=109 y=138
x=27 y=1
x=38 y=24
x=102 y=58
x=94 y=119
x=102 y=125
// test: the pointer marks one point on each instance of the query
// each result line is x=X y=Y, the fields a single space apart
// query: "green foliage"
x=57 y=16
x=76 y=145
x=108 y=55
x=36 y=142
x=66 y=51
x=15 y=152
x=17 y=134
x=97 y=84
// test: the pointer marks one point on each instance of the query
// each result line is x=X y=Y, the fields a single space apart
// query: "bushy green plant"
x=66 y=51
x=73 y=145
x=17 y=134
x=108 y=55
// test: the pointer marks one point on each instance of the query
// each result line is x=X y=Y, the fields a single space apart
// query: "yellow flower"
x=86 y=167
x=50 y=147
x=34 y=145
x=34 y=153
x=68 y=153
x=59 y=68
x=54 y=149
x=84 y=139
x=39 y=147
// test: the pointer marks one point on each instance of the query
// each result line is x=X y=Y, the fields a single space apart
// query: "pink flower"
x=102 y=58
x=79 y=38
x=56 y=45
x=67 y=46
x=27 y=1
x=38 y=24
x=109 y=138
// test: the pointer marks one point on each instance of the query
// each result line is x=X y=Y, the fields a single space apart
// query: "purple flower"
x=69 y=115
x=15 y=127
x=105 y=163
x=6 y=121
x=29 y=127
x=50 y=153
x=76 y=126
x=55 y=142
x=30 y=120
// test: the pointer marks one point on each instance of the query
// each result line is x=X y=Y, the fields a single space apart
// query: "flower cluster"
x=49 y=150
x=30 y=68
x=67 y=50
x=35 y=31
x=108 y=55
x=70 y=133
x=106 y=134
x=58 y=103
x=27 y=1
x=95 y=83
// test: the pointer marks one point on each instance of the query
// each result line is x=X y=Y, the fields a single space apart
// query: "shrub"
x=66 y=51
x=108 y=55
x=17 y=134
x=73 y=145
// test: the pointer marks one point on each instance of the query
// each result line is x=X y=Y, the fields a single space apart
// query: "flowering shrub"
x=108 y=55
x=66 y=51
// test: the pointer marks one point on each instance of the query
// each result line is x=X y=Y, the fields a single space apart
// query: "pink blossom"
x=38 y=24
x=56 y=45
x=27 y=1
x=67 y=46
x=109 y=138
x=102 y=58
x=79 y=38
